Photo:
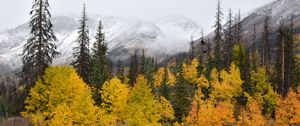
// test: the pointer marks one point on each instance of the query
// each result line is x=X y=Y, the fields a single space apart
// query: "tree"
x=99 y=67
x=143 y=63
x=263 y=91
x=280 y=64
x=190 y=72
x=229 y=85
x=288 y=110
x=181 y=98
x=218 y=38
x=40 y=49
x=120 y=71
x=265 y=53
x=192 y=50
x=81 y=52
x=167 y=112
x=142 y=109
x=251 y=115
x=229 y=36
x=61 y=99
x=114 y=97
x=134 y=68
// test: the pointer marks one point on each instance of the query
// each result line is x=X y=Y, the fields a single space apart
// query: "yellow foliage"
x=159 y=76
x=142 y=109
x=251 y=115
x=114 y=96
x=167 y=112
x=190 y=72
x=288 y=110
x=209 y=115
x=230 y=85
x=62 y=99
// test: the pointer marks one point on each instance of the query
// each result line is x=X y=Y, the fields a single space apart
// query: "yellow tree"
x=114 y=97
x=190 y=72
x=288 y=110
x=228 y=86
x=251 y=115
x=61 y=99
x=142 y=109
x=167 y=113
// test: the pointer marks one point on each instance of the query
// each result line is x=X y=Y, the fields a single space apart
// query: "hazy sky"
x=16 y=12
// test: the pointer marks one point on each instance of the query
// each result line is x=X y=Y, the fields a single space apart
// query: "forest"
x=223 y=80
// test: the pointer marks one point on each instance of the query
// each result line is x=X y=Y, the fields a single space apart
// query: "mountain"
x=277 y=10
x=123 y=36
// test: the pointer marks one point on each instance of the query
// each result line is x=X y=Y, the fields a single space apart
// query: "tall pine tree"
x=40 y=49
x=134 y=68
x=218 y=38
x=100 y=71
x=81 y=52
x=265 y=53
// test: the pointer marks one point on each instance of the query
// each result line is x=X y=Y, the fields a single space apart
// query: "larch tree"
x=114 y=95
x=142 y=109
x=40 y=49
x=100 y=71
x=61 y=99
x=81 y=53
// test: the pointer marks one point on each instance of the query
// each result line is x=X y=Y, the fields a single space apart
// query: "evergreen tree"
x=164 y=89
x=134 y=69
x=192 y=49
x=266 y=45
x=280 y=65
x=182 y=97
x=81 y=52
x=218 y=38
x=229 y=39
x=143 y=62
x=99 y=67
x=120 y=71
x=40 y=49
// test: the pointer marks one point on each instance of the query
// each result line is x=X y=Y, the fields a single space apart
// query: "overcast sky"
x=16 y=12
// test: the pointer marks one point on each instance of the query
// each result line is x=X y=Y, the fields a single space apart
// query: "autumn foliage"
x=62 y=98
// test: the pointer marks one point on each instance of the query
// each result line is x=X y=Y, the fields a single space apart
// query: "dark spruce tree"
x=134 y=68
x=81 y=52
x=218 y=38
x=40 y=49
x=120 y=71
x=229 y=39
x=100 y=71
x=265 y=53
x=181 y=99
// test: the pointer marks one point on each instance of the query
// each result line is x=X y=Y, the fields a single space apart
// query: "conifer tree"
x=266 y=44
x=134 y=68
x=40 y=49
x=229 y=39
x=192 y=49
x=81 y=52
x=143 y=62
x=182 y=97
x=280 y=65
x=99 y=67
x=218 y=38
x=120 y=71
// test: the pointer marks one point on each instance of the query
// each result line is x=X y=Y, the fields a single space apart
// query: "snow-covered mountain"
x=166 y=36
x=277 y=10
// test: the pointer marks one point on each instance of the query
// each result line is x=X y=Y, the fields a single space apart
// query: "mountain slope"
x=123 y=36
